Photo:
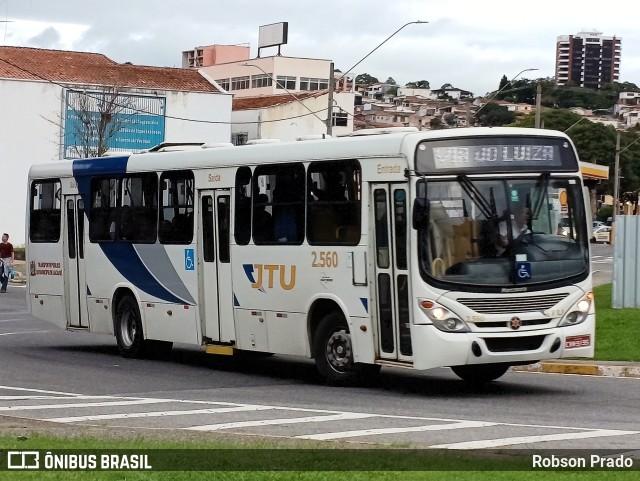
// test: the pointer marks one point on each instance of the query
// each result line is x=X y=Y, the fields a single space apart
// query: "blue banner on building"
x=111 y=121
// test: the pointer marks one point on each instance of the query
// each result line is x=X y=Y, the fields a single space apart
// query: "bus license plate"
x=577 y=341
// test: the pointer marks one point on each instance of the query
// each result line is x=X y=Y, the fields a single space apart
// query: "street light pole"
x=330 y=100
x=330 y=106
x=504 y=87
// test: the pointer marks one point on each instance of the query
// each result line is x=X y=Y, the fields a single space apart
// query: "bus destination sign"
x=472 y=154
x=486 y=155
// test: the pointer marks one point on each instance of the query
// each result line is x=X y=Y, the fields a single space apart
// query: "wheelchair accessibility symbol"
x=189 y=262
x=523 y=271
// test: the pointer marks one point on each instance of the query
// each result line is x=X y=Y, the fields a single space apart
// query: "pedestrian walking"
x=7 y=256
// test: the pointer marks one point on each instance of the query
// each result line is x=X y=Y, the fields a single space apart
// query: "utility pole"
x=538 y=103
x=468 y=107
x=616 y=181
x=330 y=100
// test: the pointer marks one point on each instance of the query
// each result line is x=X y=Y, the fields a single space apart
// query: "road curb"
x=583 y=368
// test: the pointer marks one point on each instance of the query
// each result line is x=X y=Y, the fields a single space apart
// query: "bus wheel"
x=333 y=353
x=480 y=373
x=128 y=328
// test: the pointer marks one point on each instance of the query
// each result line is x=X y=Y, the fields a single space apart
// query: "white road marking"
x=43 y=391
x=274 y=422
x=493 y=443
x=22 y=332
x=414 y=429
x=81 y=405
x=37 y=397
x=101 y=417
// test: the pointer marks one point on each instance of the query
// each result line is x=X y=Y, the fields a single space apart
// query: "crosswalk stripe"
x=413 y=429
x=80 y=405
x=99 y=417
x=274 y=422
x=493 y=443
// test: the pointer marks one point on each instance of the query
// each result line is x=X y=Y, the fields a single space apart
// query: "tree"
x=596 y=142
x=436 y=124
x=93 y=119
x=450 y=119
x=447 y=86
x=503 y=83
x=494 y=115
x=392 y=91
x=366 y=79
x=390 y=81
x=418 y=84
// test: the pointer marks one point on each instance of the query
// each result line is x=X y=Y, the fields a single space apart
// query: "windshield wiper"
x=488 y=209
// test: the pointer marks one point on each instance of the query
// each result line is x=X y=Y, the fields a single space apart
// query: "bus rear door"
x=391 y=274
x=75 y=281
x=215 y=290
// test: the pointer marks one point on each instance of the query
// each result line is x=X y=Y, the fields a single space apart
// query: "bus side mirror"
x=421 y=207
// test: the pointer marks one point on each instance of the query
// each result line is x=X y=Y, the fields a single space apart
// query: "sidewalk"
x=584 y=367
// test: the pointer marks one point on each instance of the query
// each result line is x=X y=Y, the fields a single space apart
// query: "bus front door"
x=391 y=274
x=75 y=281
x=215 y=290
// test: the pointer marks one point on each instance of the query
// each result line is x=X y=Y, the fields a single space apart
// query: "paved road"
x=78 y=378
x=602 y=263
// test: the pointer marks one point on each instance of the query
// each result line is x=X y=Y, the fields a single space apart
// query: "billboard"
x=273 y=34
x=112 y=121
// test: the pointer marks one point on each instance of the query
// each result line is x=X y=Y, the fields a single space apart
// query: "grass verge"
x=448 y=465
x=617 y=330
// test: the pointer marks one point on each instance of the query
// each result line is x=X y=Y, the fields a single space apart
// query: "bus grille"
x=510 y=344
x=502 y=305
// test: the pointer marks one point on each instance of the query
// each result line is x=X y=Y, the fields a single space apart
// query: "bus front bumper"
x=434 y=348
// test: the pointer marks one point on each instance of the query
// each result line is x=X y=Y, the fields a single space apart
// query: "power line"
x=143 y=111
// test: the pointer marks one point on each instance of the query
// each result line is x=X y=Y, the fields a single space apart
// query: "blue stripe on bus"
x=123 y=256
x=83 y=169
x=365 y=303
x=236 y=303
x=126 y=260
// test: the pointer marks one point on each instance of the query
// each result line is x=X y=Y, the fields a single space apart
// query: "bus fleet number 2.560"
x=327 y=259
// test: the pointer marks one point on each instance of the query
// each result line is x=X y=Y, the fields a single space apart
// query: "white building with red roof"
x=47 y=94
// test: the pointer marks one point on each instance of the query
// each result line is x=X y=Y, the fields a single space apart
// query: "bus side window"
x=176 y=207
x=44 y=211
x=279 y=193
x=102 y=214
x=242 y=226
x=288 y=205
x=333 y=201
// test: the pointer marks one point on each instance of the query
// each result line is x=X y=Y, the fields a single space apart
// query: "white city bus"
x=387 y=249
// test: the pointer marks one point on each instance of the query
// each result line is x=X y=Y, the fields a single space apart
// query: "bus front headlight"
x=442 y=318
x=578 y=313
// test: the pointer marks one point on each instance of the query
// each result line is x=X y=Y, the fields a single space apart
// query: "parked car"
x=602 y=234
x=597 y=223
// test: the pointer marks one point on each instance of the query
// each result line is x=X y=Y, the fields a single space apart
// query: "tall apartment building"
x=587 y=59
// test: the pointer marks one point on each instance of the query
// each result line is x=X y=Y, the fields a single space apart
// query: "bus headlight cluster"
x=442 y=318
x=578 y=313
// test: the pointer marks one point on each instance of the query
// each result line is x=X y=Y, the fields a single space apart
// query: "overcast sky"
x=468 y=43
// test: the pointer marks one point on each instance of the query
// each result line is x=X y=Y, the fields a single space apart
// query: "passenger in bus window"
x=262 y=220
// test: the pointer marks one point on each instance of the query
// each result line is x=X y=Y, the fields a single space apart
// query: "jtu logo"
x=264 y=275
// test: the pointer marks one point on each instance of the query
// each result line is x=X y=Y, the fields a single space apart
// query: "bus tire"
x=128 y=328
x=480 y=373
x=333 y=353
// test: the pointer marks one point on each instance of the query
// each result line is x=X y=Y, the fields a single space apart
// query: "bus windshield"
x=503 y=232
